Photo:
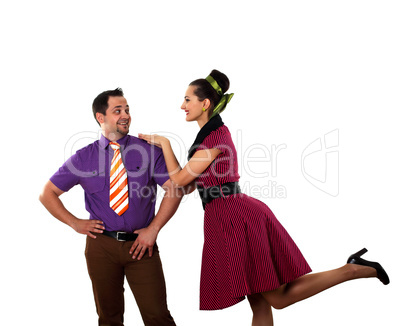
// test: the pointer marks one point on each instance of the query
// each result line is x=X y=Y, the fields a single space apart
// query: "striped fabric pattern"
x=224 y=168
x=246 y=249
x=118 y=182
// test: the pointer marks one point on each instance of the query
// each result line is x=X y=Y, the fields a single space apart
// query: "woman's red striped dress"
x=246 y=249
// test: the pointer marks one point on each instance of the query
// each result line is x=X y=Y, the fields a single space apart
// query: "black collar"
x=209 y=127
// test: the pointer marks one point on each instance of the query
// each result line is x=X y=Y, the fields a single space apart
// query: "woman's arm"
x=198 y=163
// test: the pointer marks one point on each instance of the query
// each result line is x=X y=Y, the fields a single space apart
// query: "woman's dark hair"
x=205 y=90
x=100 y=102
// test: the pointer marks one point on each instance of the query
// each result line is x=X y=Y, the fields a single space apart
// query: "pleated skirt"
x=246 y=251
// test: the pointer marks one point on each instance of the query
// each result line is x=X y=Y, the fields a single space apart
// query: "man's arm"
x=50 y=199
x=147 y=236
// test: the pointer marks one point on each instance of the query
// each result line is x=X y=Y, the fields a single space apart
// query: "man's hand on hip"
x=88 y=227
x=146 y=240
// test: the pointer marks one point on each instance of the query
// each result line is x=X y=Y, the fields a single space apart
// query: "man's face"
x=115 y=124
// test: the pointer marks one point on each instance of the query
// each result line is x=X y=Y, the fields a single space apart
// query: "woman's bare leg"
x=262 y=312
x=311 y=284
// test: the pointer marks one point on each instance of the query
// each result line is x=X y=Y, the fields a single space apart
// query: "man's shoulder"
x=135 y=141
x=88 y=151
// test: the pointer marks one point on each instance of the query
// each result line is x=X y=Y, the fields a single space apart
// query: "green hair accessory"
x=225 y=98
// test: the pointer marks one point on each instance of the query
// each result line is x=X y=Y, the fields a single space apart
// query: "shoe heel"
x=356 y=257
x=360 y=253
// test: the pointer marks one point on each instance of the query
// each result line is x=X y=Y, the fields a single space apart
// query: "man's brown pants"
x=108 y=261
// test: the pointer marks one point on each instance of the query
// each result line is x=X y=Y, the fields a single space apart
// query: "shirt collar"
x=104 y=142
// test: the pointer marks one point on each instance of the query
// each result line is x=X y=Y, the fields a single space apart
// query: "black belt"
x=121 y=236
x=209 y=194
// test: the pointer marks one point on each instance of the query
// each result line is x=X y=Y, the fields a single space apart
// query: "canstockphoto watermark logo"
x=320 y=163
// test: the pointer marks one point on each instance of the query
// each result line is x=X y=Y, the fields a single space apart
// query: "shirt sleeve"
x=66 y=178
x=160 y=173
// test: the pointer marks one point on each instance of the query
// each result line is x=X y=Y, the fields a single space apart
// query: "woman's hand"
x=154 y=139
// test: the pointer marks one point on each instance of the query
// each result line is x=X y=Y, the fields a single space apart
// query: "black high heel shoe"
x=356 y=259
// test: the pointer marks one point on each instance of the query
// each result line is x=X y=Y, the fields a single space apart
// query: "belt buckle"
x=117 y=236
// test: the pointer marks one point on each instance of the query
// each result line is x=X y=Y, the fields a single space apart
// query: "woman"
x=246 y=251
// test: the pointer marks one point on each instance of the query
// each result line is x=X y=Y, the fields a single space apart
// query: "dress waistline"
x=209 y=194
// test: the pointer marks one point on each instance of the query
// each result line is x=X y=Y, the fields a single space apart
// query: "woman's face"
x=193 y=107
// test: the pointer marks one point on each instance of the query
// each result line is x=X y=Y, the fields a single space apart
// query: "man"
x=119 y=174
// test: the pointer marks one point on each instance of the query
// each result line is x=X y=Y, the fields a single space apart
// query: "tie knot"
x=114 y=145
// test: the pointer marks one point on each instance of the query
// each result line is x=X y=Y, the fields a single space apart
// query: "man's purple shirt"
x=90 y=167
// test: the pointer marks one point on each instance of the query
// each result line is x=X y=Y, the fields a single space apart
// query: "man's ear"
x=99 y=117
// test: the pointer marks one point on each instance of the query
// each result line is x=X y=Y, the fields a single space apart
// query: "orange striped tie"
x=118 y=182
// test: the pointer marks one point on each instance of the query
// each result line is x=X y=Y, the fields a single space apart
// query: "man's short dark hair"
x=100 y=102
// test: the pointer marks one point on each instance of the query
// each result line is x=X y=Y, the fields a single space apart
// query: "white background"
x=299 y=69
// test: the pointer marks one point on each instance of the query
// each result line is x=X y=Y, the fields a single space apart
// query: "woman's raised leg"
x=311 y=284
